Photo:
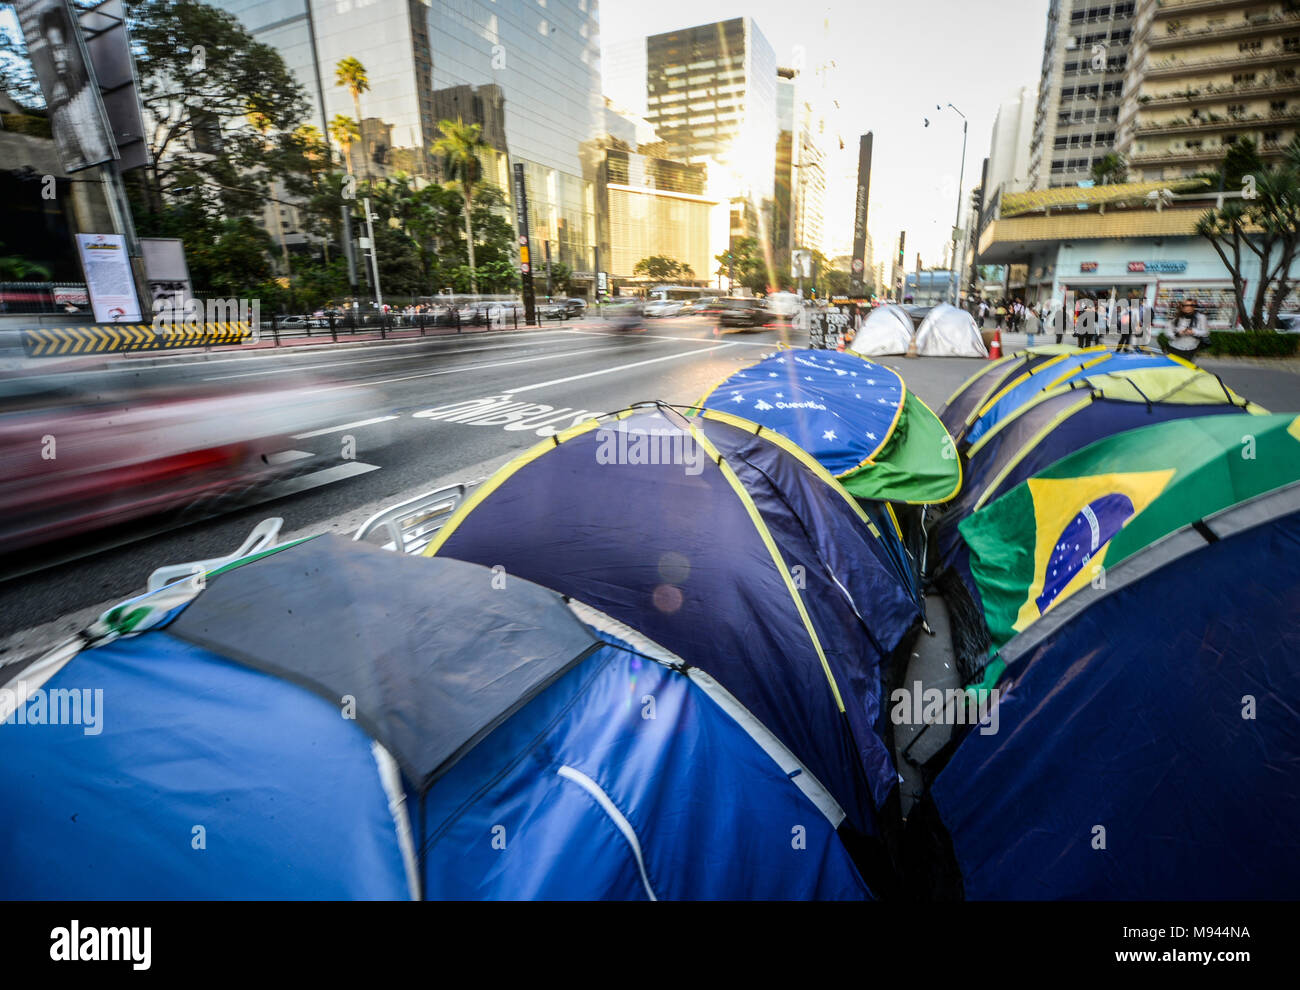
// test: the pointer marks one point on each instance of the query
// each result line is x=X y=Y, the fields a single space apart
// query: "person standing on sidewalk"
x=1189 y=330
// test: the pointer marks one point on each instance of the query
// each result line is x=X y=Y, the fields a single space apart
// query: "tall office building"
x=799 y=216
x=1013 y=130
x=528 y=73
x=1205 y=74
x=711 y=95
x=1085 y=57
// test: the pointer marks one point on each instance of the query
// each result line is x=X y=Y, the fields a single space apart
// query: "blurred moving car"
x=623 y=315
x=576 y=307
x=664 y=308
x=703 y=306
x=76 y=456
x=784 y=304
x=743 y=312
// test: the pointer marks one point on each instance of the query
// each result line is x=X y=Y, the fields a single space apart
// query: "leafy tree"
x=201 y=76
x=561 y=275
x=744 y=263
x=1110 y=169
x=662 y=269
x=1265 y=222
x=459 y=148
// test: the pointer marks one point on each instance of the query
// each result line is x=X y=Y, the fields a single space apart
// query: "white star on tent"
x=780 y=395
x=871 y=381
x=870 y=435
x=807 y=378
x=773 y=374
x=854 y=374
x=780 y=360
x=856 y=395
x=829 y=435
x=762 y=406
x=840 y=371
x=737 y=398
x=883 y=401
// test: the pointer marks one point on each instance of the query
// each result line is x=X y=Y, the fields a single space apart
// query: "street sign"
x=521 y=222
x=801 y=264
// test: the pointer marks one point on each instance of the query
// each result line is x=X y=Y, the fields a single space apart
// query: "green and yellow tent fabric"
x=1053 y=535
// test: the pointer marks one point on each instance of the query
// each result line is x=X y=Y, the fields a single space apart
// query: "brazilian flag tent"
x=327 y=720
x=1146 y=745
x=733 y=548
x=1063 y=419
x=1057 y=534
x=858 y=419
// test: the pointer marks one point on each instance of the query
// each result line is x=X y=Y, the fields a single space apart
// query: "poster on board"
x=108 y=277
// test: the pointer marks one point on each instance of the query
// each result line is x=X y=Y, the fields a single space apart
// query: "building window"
x=1242 y=77
x=1291 y=44
x=1277 y=106
x=1249 y=46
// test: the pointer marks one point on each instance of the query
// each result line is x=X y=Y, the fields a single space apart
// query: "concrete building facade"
x=1206 y=73
x=1081 y=86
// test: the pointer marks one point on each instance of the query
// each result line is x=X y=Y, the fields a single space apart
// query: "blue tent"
x=734 y=549
x=858 y=419
x=333 y=721
x=1160 y=763
x=1057 y=371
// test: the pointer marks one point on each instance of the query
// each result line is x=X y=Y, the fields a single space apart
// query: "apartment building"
x=1206 y=73
x=1081 y=87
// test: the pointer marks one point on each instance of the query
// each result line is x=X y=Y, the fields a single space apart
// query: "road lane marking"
x=346 y=426
x=372 y=360
x=468 y=367
x=287 y=456
x=306 y=482
x=617 y=367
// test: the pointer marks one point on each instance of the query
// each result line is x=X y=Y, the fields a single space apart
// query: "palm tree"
x=459 y=147
x=345 y=132
x=351 y=73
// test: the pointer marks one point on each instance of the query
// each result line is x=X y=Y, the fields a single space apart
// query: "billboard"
x=858 y=263
x=62 y=66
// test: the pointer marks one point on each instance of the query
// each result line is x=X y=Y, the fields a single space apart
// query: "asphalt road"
x=405 y=445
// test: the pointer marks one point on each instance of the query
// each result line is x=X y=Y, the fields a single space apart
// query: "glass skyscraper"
x=712 y=96
x=528 y=71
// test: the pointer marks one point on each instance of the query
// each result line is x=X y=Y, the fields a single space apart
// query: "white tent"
x=948 y=331
x=886 y=330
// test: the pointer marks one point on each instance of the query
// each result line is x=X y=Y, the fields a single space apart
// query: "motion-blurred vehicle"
x=661 y=308
x=78 y=455
x=623 y=316
x=575 y=307
x=784 y=305
x=743 y=312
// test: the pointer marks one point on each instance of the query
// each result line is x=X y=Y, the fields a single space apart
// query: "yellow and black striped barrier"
x=59 y=341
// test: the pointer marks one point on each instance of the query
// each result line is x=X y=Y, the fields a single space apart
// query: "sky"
x=893 y=63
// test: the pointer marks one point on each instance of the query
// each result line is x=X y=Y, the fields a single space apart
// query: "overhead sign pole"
x=525 y=265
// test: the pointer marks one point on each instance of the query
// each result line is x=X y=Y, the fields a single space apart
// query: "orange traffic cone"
x=995 y=351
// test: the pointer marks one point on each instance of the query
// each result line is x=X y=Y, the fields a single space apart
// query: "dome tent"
x=748 y=561
x=1139 y=726
x=857 y=417
x=886 y=330
x=477 y=710
x=948 y=331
